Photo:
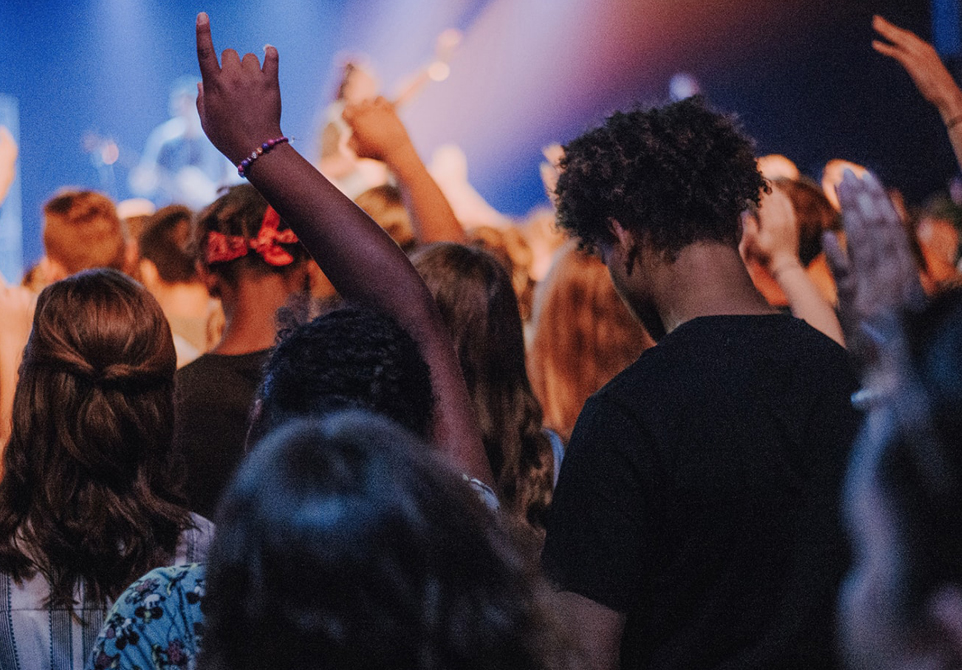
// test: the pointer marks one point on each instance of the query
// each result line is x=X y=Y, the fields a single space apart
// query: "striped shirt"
x=36 y=637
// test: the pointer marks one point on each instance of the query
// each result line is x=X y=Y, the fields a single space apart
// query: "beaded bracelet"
x=262 y=149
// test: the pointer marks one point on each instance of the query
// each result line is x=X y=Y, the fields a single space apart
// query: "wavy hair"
x=347 y=542
x=584 y=335
x=89 y=491
x=479 y=306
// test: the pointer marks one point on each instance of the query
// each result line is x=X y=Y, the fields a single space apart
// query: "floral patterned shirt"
x=156 y=624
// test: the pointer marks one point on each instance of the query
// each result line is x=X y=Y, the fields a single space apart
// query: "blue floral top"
x=156 y=624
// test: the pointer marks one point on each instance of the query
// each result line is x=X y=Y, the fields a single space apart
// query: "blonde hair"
x=584 y=336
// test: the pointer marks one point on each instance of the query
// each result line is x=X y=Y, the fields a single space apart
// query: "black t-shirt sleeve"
x=601 y=528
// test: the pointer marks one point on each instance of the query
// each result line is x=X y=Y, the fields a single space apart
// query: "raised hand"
x=239 y=101
x=771 y=237
x=377 y=131
x=923 y=64
x=878 y=278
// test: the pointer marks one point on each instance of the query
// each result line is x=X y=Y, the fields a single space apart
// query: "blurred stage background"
x=801 y=73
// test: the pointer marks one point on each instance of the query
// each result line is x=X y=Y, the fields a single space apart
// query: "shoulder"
x=156 y=623
x=194 y=542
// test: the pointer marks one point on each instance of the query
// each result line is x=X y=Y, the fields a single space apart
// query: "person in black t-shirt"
x=696 y=520
x=253 y=262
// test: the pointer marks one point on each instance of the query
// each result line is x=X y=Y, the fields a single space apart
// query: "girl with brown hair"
x=89 y=498
x=584 y=336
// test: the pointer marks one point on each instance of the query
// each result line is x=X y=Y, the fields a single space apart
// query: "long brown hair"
x=88 y=493
x=584 y=336
x=479 y=307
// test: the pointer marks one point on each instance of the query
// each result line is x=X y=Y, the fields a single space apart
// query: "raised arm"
x=378 y=133
x=8 y=162
x=772 y=238
x=930 y=75
x=240 y=108
x=877 y=277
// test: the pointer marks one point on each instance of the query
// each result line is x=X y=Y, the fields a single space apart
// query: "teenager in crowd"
x=252 y=261
x=90 y=495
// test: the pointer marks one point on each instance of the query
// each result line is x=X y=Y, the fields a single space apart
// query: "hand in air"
x=239 y=101
x=923 y=64
x=377 y=131
x=878 y=278
x=771 y=236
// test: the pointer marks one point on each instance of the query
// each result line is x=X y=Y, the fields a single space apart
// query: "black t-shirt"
x=212 y=402
x=700 y=496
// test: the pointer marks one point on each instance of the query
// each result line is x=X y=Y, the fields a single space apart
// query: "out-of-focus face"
x=872 y=633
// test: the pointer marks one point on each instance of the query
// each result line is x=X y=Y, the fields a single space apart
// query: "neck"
x=706 y=279
x=182 y=300
x=249 y=308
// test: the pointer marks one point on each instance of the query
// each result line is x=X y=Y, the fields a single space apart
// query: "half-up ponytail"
x=90 y=491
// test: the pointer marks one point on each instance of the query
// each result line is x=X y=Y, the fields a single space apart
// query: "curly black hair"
x=349 y=358
x=672 y=175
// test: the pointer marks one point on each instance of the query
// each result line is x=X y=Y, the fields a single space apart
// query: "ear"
x=945 y=611
x=628 y=244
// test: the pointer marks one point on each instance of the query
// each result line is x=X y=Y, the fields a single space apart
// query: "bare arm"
x=8 y=162
x=597 y=629
x=772 y=238
x=240 y=107
x=930 y=75
x=378 y=133
x=17 y=306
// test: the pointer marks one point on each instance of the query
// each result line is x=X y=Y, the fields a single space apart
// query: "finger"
x=251 y=63
x=893 y=32
x=887 y=50
x=206 y=56
x=271 y=58
x=229 y=59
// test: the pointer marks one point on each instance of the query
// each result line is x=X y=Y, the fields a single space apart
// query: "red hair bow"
x=221 y=248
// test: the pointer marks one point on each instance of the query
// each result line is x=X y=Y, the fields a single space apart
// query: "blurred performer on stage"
x=179 y=164
x=337 y=161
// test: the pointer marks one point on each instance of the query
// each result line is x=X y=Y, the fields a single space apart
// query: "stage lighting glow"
x=439 y=71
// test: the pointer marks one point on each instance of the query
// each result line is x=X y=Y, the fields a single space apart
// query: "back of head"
x=814 y=213
x=348 y=358
x=82 y=231
x=344 y=541
x=478 y=305
x=238 y=233
x=672 y=175
x=88 y=491
x=584 y=335
x=164 y=242
x=385 y=205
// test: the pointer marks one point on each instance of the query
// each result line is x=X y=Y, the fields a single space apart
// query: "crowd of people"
x=717 y=428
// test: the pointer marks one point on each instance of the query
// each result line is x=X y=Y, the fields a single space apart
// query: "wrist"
x=780 y=265
x=402 y=157
x=951 y=109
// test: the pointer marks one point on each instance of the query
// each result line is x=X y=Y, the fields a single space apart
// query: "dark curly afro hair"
x=349 y=358
x=672 y=175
